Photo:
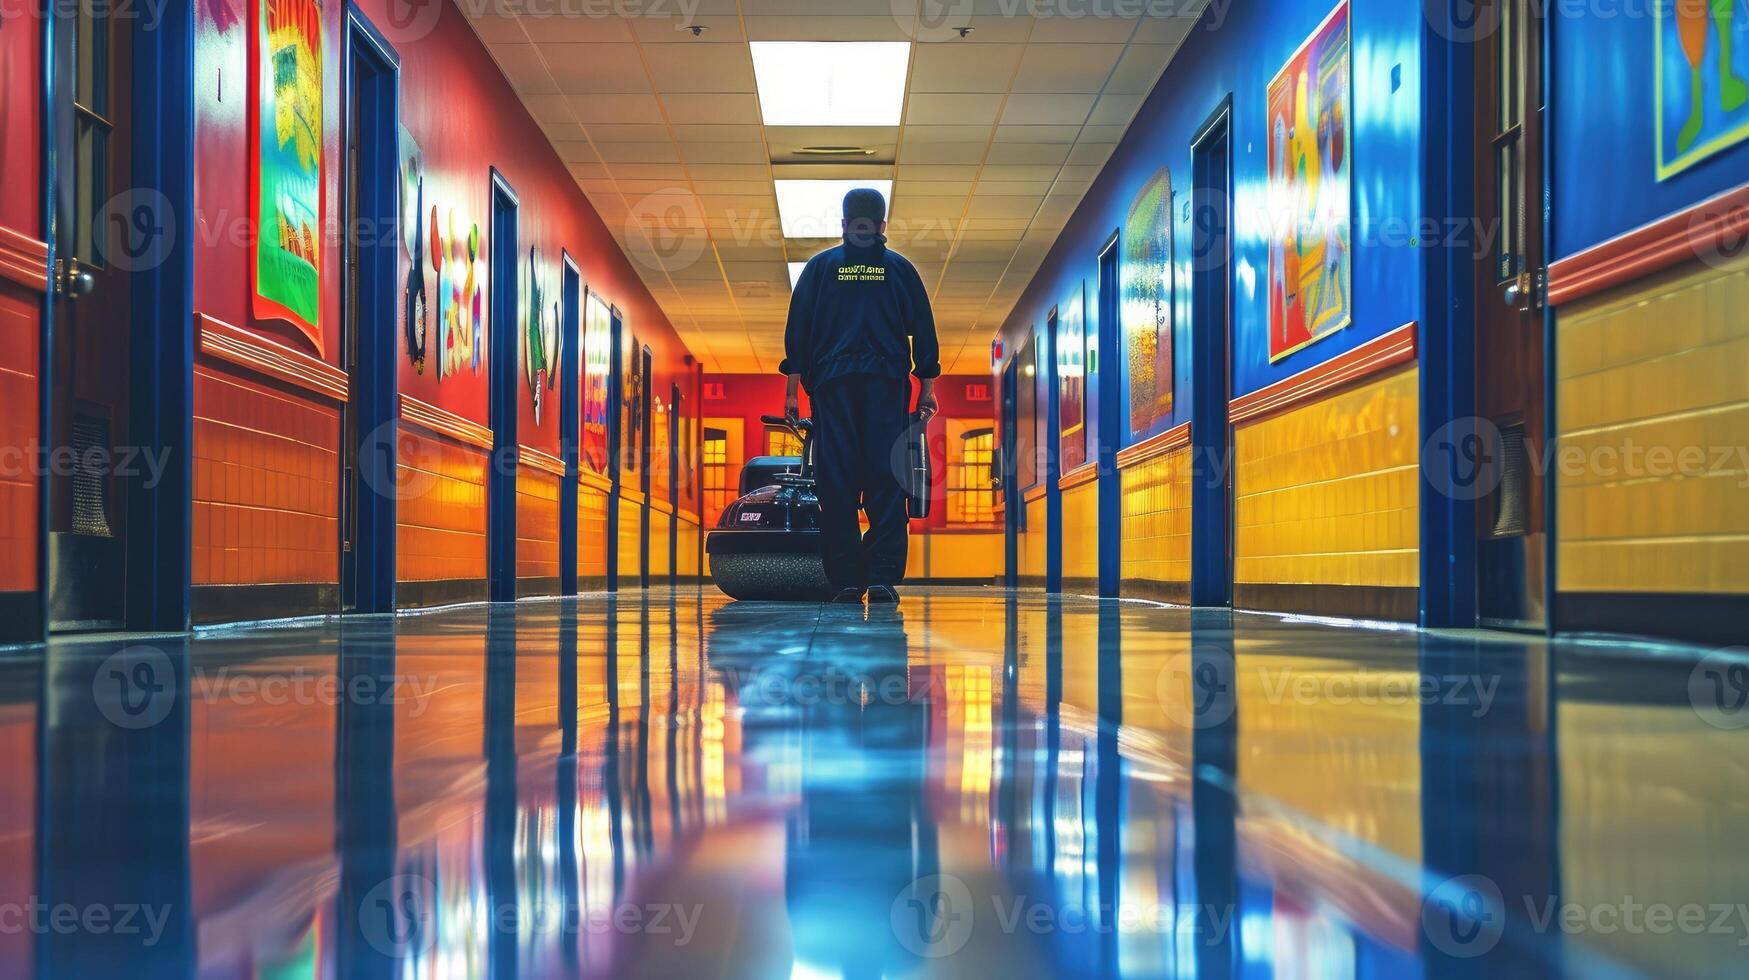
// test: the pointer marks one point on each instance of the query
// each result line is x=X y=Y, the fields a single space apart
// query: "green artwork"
x=287 y=164
x=1702 y=61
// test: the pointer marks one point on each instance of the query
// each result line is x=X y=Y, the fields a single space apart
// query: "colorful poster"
x=597 y=375
x=631 y=403
x=415 y=321
x=1145 y=295
x=459 y=262
x=286 y=164
x=539 y=313
x=1310 y=171
x=1072 y=382
x=1702 y=61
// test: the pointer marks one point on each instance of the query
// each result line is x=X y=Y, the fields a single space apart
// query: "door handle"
x=75 y=280
x=1526 y=292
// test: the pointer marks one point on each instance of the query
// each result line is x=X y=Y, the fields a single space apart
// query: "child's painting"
x=286 y=163
x=415 y=320
x=1146 y=298
x=597 y=375
x=1310 y=175
x=540 y=330
x=1072 y=382
x=1702 y=58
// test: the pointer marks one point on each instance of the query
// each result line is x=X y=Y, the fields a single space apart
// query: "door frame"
x=1109 y=372
x=1053 y=474
x=503 y=399
x=615 y=439
x=1211 y=354
x=675 y=426
x=369 y=569
x=646 y=366
x=1012 y=498
x=570 y=415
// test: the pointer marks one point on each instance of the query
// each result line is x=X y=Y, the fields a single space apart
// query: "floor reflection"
x=974 y=784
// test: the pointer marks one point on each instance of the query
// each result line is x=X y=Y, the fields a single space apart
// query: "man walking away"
x=859 y=323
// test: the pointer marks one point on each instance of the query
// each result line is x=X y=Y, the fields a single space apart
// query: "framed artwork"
x=540 y=330
x=1027 y=423
x=597 y=375
x=1145 y=298
x=1072 y=381
x=286 y=164
x=1701 y=56
x=415 y=319
x=1309 y=190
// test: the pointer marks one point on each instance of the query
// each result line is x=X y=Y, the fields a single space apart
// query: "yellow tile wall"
x=1329 y=493
x=1032 y=543
x=630 y=530
x=1081 y=533
x=688 y=555
x=661 y=530
x=1156 y=519
x=537 y=524
x=1655 y=368
x=591 y=532
x=956 y=555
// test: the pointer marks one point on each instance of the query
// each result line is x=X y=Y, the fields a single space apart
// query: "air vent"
x=1511 y=501
x=90 y=483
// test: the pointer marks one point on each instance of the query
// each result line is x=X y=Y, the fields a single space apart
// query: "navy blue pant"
x=860 y=424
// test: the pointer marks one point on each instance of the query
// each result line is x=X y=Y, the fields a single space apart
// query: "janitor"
x=859 y=326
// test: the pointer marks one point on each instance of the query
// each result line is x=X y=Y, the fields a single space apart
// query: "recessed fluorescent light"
x=831 y=83
x=815 y=208
x=795 y=274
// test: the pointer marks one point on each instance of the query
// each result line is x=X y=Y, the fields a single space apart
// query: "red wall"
x=749 y=396
x=20 y=305
x=254 y=435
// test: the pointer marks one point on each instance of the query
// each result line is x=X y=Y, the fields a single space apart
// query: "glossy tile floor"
x=977 y=785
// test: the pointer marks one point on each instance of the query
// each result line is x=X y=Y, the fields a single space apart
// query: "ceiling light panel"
x=815 y=208
x=831 y=83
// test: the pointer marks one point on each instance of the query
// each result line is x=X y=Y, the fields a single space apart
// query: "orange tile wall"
x=19 y=340
x=537 y=524
x=266 y=501
x=591 y=533
x=440 y=530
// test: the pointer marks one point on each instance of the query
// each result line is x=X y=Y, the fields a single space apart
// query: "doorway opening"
x=1511 y=529
x=369 y=418
x=1211 y=494
x=570 y=419
x=1109 y=370
x=92 y=324
x=501 y=472
x=646 y=431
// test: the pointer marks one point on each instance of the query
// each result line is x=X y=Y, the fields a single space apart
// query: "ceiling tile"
x=577 y=27
x=1168 y=29
x=1140 y=68
x=1087 y=27
x=614 y=108
x=497 y=28
x=637 y=152
x=1115 y=110
x=761 y=27
x=1003 y=154
x=699 y=108
x=1063 y=69
x=964 y=69
x=949 y=110
x=700 y=68
x=747 y=153
x=595 y=69
x=697 y=133
x=1055 y=110
x=969 y=154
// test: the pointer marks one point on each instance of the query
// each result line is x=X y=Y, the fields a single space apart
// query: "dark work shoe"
x=883 y=595
x=848 y=596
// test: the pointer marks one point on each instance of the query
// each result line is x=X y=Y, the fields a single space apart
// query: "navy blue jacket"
x=860 y=309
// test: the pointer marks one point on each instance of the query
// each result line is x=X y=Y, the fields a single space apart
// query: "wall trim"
x=24 y=260
x=246 y=603
x=1376 y=356
x=687 y=516
x=545 y=462
x=228 y=342
x=1036 y=493
x=1713 y=228
x=1079 y=476
x=631 y=495
x=661 y=506
x=595 y=481
x=1176 y=437
x=445 y=423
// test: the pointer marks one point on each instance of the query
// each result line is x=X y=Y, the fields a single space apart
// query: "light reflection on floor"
x=977 y=784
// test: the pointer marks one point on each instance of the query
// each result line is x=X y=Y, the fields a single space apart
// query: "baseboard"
x=245 y=603
x=981 y=580
x=591 y=583
x=539 y=587
x=1029 y=581
x=1709 y=618
x=1089 y=586
x=21 y=617
x=439 y=592
x=1177 y=593
x=1390 y=603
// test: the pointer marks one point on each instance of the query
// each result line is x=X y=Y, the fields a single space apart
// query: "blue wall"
x=1603 y=100
x=1251 y=44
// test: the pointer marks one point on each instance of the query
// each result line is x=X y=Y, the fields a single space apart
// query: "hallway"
x=978 y=784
